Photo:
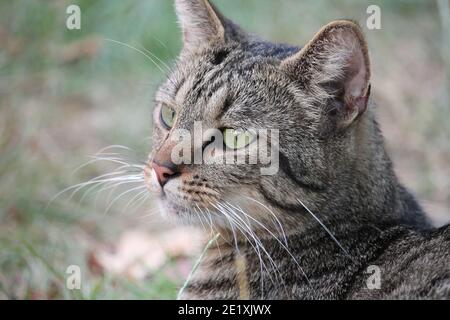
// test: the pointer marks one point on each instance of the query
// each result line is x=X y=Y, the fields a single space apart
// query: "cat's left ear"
x=201 y=23
x=334 y=68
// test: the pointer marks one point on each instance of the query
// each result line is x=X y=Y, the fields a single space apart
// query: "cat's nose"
x=165 y=172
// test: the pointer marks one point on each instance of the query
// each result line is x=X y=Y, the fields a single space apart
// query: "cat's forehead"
x=241 y=85
x=206 y=71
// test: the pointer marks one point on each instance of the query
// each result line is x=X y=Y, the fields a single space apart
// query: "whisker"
x=141 y=201
x=114 y=146
x=160 y=42
x=214 y=231
x=202 y=214
x=139 y=195
x=117 y=160
x=150 y=214
x=107 y=186
x=104 y=181
x=102 y=152
x=256 y=248
x=157 y=58
x=83 y=184
x=200 y=219
x=273 y=214
x=231 y=226
x=326 y=229
x=251 y=233
x=149 y=57
x=278 y=240
x=137 y=50
x=120 y=196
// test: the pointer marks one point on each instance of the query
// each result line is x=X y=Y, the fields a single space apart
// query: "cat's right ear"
x=200 y=22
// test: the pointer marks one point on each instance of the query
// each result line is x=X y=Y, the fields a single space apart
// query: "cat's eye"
x=237 y=138
x=167 y=116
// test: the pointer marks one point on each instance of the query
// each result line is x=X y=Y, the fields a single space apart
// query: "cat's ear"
x=200 y=22
x=334 y=67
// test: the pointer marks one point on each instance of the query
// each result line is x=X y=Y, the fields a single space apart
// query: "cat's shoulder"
x=417 y=265
x=419 y=243
x=410 y=264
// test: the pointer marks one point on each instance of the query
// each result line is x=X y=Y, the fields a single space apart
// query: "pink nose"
x=165 y=172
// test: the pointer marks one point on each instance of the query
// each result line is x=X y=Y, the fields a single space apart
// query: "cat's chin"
x=188 y=215
x=176 y=213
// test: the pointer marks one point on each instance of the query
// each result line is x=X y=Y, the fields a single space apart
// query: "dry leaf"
x=138 y=253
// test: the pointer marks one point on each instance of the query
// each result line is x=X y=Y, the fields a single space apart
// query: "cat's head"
x=313 y=99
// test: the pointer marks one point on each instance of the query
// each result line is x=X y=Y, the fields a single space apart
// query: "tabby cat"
x=333 y=222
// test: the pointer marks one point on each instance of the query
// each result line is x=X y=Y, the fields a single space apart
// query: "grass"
x=67 y=94
x=197 y=264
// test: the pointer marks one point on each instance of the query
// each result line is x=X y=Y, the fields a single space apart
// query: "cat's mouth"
x=194 y=200
x=183 y=194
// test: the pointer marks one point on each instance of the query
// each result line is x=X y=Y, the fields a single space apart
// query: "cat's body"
x=334 y=215
x=384 y=261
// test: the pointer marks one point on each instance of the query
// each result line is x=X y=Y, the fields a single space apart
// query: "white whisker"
x=326 y=229
x=274 y=216
x=121 y=195
x=278 y=240
x=135 y=197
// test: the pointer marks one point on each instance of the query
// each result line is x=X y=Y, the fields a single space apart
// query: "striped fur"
x=334 y=208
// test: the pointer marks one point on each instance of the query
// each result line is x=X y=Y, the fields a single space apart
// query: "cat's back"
x=416 y=265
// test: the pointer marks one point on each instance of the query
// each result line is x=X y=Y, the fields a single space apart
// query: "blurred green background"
x=66 y=94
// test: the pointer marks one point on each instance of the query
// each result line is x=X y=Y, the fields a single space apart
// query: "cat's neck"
x=373 y=191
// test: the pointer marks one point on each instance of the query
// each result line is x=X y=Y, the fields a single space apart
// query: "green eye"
x=237 y=139
x=167 y=116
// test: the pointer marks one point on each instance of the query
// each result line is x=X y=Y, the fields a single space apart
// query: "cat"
x=333 y=222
